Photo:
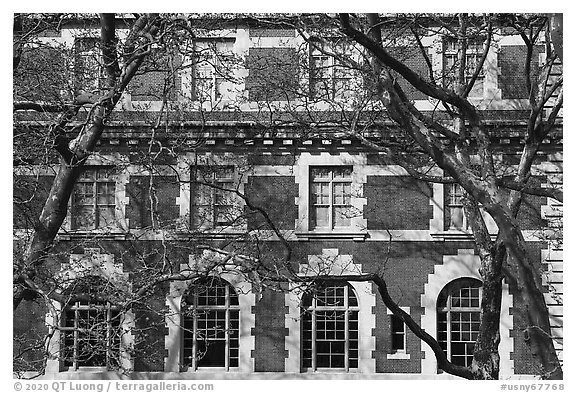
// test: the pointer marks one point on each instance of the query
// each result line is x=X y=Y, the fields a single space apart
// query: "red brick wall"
x=29 y=195
x=273 y=74
x=397 y=202
x=270 y=332
x=276 y=195
x=164 y=192
x=511 y=63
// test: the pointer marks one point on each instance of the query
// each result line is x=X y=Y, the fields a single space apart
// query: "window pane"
x=320 y=217
x=83 y=217
x=342 y=216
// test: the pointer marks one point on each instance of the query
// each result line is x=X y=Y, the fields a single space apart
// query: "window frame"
x=450 y=57
x=110 y=180
x=395 y=322
x=111 y=344
x=331 y=182
x=332 y=71
x=455 y=207
x=228 y=309
x=211 y=65
x=216 y=192
x=312 y=311
x=444 y=306
x=87 y=51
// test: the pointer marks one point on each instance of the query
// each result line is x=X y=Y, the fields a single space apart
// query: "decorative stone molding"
x=246 y=299
x=91 y=263
x=464 y=264
x=330 y=262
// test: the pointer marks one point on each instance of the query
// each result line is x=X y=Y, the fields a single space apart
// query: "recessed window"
x=455 y=208
x=330 y=328
x=90 y=330
x=474 y=52
x=329 y=78
x=94 y=200
x=331 y=195
x=88 y=71
x=213 y=63
x=459 y=319
x=214 y=199
x=398 y=334
x=211 y=325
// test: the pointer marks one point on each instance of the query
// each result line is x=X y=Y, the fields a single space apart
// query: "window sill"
x=92 y=233
x=331 y=371
x=334 y=234
x=213 y=233
x=456 y=234
x=398 y=355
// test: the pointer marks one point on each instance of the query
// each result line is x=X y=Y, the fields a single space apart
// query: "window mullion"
x=195 y=334
x=331 y=200
x=95 y=203
x=227 y=329
x=314 y=328
x=346 y=330
x=76 y=337
x=109 y=334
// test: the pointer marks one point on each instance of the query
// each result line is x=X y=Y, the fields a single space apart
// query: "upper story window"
x=330 y=328
x=455 y=208
x=211 y=325
x=215 y=203
x=88 y=70
x=331 y=194
x=474 y=51
x=90 y=330
x=94 y=200
x=213 y=65
x=329 y=78
x=459 y=319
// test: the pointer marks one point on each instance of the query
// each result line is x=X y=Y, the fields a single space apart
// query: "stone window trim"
x=398 y=353
x=173 y=340
x=120 y=178
x=329 y=78
x=462 y=265
x=184 y=168
x=91 y=263
x=302 y=171
x=215 y=200
x=203 y=311
x=330 y=262
x=202 y=81
x=459 y=319
x=330 y=328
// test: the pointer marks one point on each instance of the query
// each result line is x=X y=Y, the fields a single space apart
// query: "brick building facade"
x=343 y=207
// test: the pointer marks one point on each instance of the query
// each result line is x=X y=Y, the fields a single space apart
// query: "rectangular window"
x=456 y=207
x=331 y=195
x=94 y=200
x=329 y=78
x=215 y=203
x=88 y=71
x=474 y=51
x=398 y=334
x=330 y=330
x=213 y=64
x=91 y=335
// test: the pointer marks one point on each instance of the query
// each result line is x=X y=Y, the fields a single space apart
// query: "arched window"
x=330 y=328
x=90 y=326
x=211 y=325
x=459 y=319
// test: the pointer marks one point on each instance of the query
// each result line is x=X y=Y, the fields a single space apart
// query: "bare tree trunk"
x=75 y=153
